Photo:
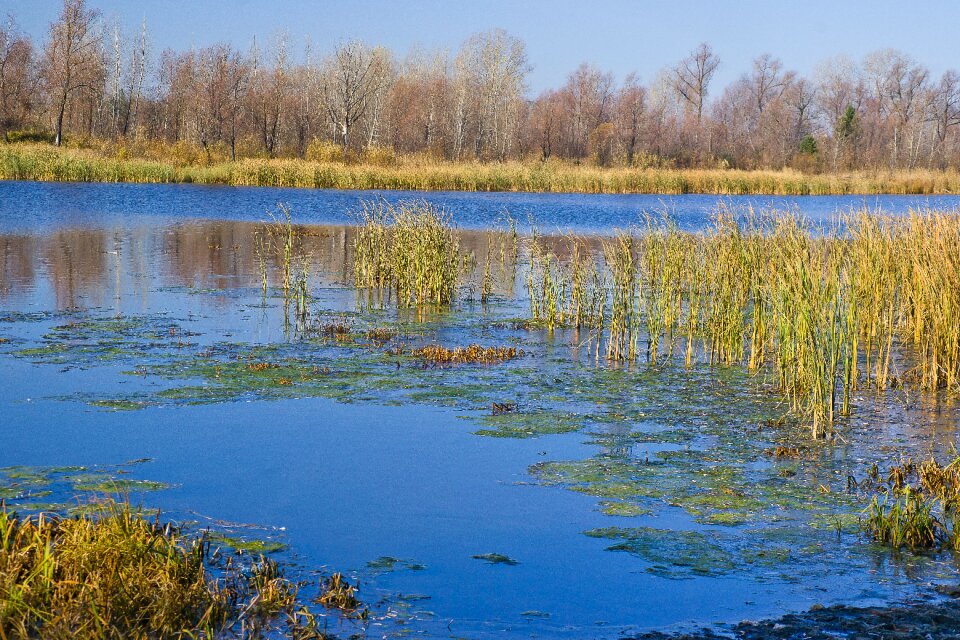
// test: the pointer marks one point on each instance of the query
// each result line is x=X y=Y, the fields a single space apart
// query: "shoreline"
x=49 y=164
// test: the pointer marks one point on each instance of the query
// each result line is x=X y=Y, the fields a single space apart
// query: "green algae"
x=671 y=553
x=108 y=484
x=517 y=424
x=120 y=404
x=496 y=558
x=246 y=545
x=623 y=509
x=389 y=563
x=93 y=340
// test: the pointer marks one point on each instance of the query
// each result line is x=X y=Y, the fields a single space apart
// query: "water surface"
x=606 y=486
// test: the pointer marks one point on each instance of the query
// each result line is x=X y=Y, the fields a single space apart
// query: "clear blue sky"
x=618 y=35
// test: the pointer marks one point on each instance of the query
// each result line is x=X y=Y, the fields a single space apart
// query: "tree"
x=353 y=76
x=268 y=91
x=630 y=113
x=945 y=111
x=17 y=77
x=692 y=75
x=73 y=62
x=491 y=70
x=588 y=102
x=847 y=133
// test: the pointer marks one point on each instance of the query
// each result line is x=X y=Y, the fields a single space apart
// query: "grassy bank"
x=46 y=163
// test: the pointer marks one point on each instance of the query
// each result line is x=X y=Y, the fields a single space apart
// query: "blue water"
x=26 y=206
x=348 y=483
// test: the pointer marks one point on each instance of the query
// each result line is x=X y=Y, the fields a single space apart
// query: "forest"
x=89 y=83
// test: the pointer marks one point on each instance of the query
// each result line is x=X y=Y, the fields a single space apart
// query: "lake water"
x=124 y=310
x=55 y=205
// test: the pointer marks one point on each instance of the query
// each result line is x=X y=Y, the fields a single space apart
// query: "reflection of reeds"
x=410 y=250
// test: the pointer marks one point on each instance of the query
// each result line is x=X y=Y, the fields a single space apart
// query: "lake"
x=600 y=501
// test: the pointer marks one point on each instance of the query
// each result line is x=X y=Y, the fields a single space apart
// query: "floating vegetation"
x=254 y=546
x=671 y=553
x=71 y=488
x=100 y=483
x=473 y=353
x=513 y=424
x=113 y=573
x=496 y=558
x=389 y=563
x=95 y=340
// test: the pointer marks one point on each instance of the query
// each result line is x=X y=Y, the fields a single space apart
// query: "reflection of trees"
x=16 y=263
x=75 y=264
x=92 y=267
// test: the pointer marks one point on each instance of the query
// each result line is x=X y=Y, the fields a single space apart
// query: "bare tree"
x=945 y=112
x=17 y=77
x=588 y=102
x=73 y=62
x=630 y=113
x=353 y=75
x=492 y=68
x=692 y=75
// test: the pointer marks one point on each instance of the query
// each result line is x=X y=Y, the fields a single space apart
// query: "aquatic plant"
x=915 y=505
x=111 y=573
x=337 y=593
x=410 y=250
x=825 y=309
x=473 y=353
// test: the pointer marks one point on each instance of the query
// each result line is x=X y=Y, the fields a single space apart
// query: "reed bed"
x=870 y=301
x=410 y=251
x=40 y=162
x=112 y=573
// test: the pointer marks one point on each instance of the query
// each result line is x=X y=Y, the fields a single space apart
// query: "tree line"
x=89 y=80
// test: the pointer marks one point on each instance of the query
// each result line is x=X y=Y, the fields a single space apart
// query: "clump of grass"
x=337 y=593
x=915 y=505
x=112 y=573
x=410 y=251
x=565 y=294
x=279 y=243
x=473 y=353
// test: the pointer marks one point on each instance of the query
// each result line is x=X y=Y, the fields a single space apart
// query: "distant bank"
x=47 y=163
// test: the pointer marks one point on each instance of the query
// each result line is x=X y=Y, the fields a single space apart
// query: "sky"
x=621 y=36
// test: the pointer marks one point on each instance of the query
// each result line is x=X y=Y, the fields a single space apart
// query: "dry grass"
x=473 y=353
x=41 y=162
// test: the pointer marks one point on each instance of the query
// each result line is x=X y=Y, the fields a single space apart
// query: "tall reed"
x=410 y=250
x=867 y=300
